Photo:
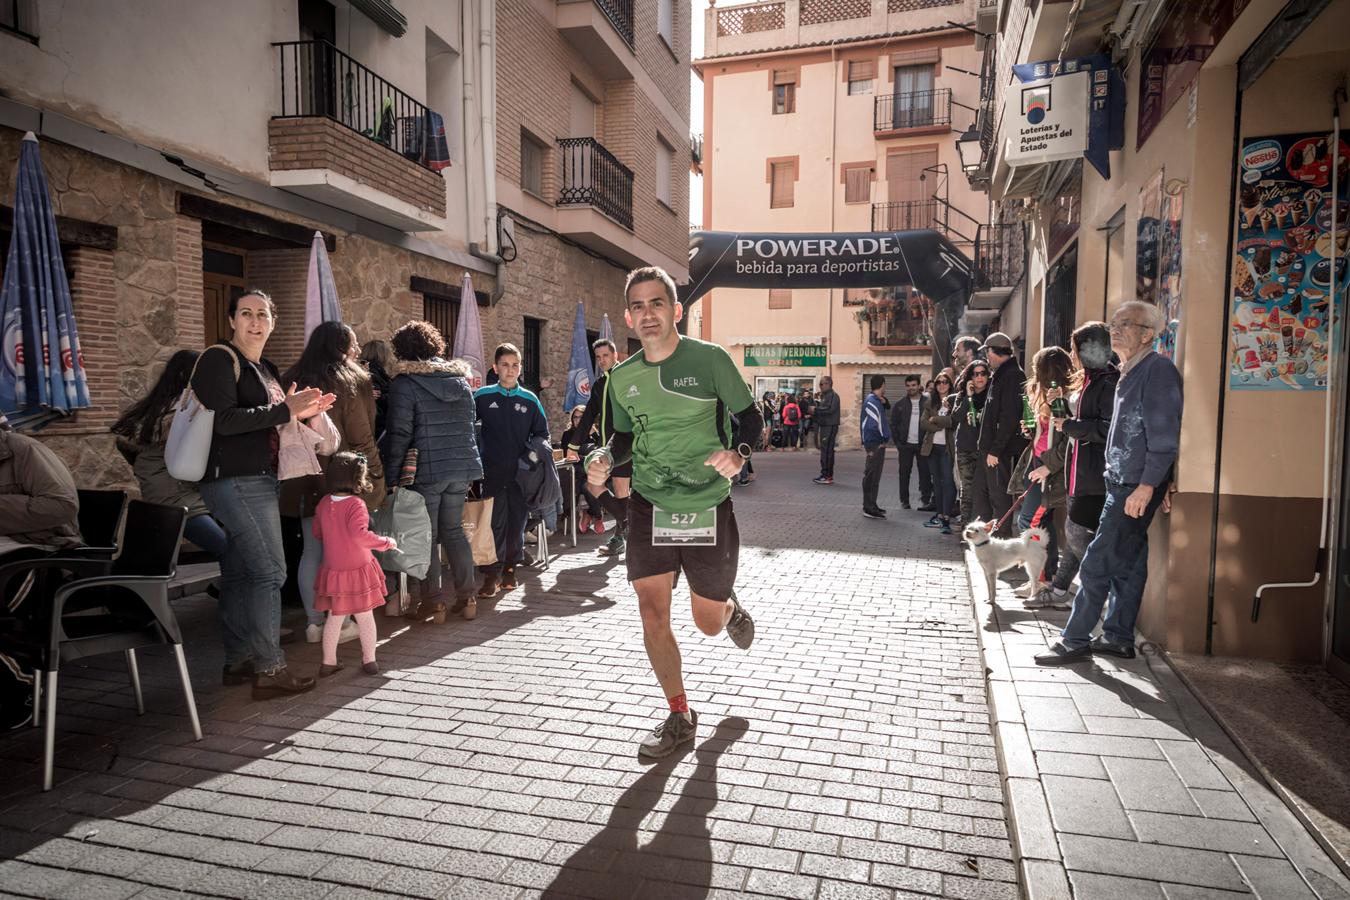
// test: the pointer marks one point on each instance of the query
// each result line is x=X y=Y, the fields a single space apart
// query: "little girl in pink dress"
x=350 y=580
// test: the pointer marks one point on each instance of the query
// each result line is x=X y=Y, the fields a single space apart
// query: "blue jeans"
x=1116 y=567
x=207 y=534
x=1024 y=518
x=252 y=569
x=445 y=509
x=307 y=572
x=939 y=463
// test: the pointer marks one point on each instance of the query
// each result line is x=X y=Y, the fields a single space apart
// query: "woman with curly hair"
x=1041 y=469
x=431 y=409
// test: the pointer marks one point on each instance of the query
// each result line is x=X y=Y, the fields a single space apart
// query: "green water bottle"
x=1059 y=407
x=1028 y=417
x=972 y=416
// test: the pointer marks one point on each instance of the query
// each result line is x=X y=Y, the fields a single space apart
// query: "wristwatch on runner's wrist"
x=743 y=450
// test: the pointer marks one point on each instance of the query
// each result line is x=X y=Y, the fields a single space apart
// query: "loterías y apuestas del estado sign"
x=924 y=259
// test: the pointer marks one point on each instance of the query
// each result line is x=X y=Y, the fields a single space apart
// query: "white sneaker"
x=313 y=634
x=349 y=631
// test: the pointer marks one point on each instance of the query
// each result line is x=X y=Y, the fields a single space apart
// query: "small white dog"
x=996 y=555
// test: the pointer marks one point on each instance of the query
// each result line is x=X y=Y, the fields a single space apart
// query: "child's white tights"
x=365 y=628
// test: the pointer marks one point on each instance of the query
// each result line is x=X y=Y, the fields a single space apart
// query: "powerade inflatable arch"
x=922 y=259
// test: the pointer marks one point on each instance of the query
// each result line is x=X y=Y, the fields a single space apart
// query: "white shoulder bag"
x=189 y=443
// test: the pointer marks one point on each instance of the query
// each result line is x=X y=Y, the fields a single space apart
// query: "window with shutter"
x=784 y=98
x=780 y=185
x=861 y=76
x=780 y=299
x=531 y=165
x=665 y=163
x=665 y=21
x=857 y=184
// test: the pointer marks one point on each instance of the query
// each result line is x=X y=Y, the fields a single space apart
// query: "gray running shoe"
x=614 y=546
x=740 y=627
x=671 y=733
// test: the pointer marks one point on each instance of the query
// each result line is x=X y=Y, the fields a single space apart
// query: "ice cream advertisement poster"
x=1283 y=262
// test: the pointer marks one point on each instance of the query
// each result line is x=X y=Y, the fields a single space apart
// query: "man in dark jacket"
x=38 y=501
x=826 y=417
x=510 y=417
x=1001 y=439
x=908 y=436
x=600 y=415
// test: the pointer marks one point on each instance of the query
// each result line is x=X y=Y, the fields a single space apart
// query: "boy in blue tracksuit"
x=876 y=434
x=510 y=416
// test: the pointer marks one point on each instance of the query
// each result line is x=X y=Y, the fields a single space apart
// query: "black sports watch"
x=743 y=450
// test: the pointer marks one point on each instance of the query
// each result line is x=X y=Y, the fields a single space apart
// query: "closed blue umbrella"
x=579 y=372
x=42 y=370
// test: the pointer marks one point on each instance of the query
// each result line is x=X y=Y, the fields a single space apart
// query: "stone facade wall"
x=315 y=142
x=138 y=304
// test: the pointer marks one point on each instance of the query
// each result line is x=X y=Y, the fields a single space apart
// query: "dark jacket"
x=38 y=502
x=152 y=472
x=599 y=414
x=935 y=417
x=827 y=409
x=431 y=408
x=538 y=476
x=1146 y=426
x=510 y=418
x=1089 y=428
x=968 y=426
x=1055 y=490
x=1001 y=425
x=354 y=417
x=245 y=439
x=379 y=381
x=900 y=413
x=875 y=428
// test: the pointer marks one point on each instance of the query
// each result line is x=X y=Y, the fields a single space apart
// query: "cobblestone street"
x=848 y=754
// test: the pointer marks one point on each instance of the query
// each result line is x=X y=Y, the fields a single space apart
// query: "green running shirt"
x=679 y=411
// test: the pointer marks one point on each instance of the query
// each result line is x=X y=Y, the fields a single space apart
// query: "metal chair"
x=112 y=605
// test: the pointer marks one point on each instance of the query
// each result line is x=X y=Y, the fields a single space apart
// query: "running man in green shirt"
x=672 y=403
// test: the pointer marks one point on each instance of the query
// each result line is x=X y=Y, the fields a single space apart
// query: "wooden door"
x=217 y=292
x=909 y=196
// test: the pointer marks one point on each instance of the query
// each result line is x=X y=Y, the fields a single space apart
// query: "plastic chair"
x=101 y=514
x=124 y=605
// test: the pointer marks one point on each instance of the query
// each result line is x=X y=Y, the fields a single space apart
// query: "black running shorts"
x=711 y=571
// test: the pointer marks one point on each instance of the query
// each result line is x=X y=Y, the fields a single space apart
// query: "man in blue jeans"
x=1141 y=449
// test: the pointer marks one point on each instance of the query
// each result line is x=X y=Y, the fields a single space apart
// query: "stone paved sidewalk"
x=847 y=755
x=1121 y=786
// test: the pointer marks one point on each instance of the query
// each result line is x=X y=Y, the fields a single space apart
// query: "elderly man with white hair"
x=1140 y=452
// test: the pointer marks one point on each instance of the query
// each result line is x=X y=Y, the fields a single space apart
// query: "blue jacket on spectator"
x=876 y=427
x=1146 y=426
x=431 y=408
x=510 y=418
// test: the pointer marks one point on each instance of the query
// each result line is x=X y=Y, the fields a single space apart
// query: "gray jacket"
x=1141 y=447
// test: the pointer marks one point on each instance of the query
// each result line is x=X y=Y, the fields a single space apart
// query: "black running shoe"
x=235 y=675
x=614 y=546
x=740 y=627
x=671 y=733
x=873 y=514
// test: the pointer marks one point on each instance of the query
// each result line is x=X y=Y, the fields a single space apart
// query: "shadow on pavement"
x=677 y=861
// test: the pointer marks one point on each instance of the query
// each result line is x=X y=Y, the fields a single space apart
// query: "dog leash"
x=998 y=526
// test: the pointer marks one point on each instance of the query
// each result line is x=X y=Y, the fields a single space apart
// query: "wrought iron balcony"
x=895 y=323
x=916 y=109
x=591 y=176
x=620 y=15
x=318 y=79
x=999 y=255
x=909 y=215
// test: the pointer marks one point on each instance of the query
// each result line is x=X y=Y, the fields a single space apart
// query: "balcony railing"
x=620 y=15
x=749 y=19
x=591 y=176
x=896 y=6
x=318 y=79
x=917 y=109
x=998 y=255
x=892 y=326
x=908 y=215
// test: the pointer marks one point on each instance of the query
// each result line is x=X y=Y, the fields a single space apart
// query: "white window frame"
x=665 y=173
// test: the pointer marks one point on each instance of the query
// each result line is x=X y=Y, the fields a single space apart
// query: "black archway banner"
x=923 y=259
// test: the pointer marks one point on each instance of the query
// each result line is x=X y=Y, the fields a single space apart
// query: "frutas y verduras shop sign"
x=788 y=356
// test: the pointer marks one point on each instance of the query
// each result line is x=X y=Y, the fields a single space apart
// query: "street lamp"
x=968 y=149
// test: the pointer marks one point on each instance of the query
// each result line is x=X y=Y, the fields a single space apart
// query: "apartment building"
x=194 y=149
x=1217 y=200
x=841 y=116
x=593 y=155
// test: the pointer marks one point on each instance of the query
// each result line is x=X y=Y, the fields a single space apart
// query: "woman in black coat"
x=240 y=488
x=1093 y=396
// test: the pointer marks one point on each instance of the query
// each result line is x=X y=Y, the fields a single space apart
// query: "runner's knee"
x=709 y=615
